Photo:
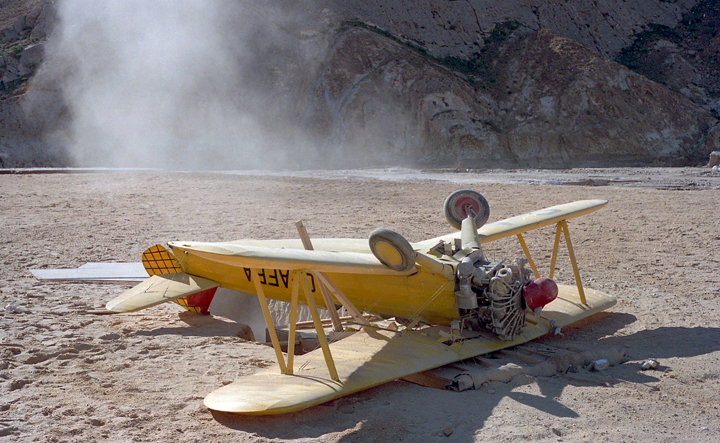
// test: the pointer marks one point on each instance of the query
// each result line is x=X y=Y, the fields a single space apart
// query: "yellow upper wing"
x=259 y=257
x=372 y=357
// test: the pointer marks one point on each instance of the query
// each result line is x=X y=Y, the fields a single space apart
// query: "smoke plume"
x=197 y=84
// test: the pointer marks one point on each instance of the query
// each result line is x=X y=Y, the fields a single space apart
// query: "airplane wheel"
x=392 y=249
x=458 y=202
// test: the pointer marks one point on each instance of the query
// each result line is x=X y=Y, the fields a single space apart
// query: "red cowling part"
x=202 y=300
x=540 y=292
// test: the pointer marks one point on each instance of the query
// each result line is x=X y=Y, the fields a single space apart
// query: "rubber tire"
x=401 y=256
x=455 y=218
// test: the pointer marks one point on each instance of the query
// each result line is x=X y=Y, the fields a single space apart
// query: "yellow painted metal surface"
x=159 y=289
x=398 y=294
x=157 y=260
x=424 y=292
x=348 y=263
x=183 y=302
x=292 y=259
x=372 y=357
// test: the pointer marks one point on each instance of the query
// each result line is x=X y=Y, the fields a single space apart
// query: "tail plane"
x=167 y=282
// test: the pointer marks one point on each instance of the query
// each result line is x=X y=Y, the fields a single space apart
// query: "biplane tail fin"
x=167 y=282
x=157 y=260
x=191 y=292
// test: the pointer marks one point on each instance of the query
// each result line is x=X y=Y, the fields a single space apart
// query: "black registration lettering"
x=285 y=278
x=273 y=278
x=312 y=281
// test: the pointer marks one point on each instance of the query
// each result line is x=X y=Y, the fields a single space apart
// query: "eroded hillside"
x=465 y=84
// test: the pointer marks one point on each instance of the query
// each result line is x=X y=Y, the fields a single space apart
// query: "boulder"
x=714 y=159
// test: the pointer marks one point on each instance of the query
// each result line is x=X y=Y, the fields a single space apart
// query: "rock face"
x=675 y=43
x=31 y=120
x=459 y=28
x=26 y=122
x=32 y=126
x=545 y=101
x=28 y=115
x=469 y=84
x=570 y=105
x=685 y=58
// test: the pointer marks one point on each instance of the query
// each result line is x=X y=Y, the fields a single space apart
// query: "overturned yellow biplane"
x=451 y=301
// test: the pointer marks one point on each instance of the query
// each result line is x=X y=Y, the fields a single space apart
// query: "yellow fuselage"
x=421 y=294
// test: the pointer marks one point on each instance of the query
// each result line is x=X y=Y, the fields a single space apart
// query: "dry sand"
x=67 y=375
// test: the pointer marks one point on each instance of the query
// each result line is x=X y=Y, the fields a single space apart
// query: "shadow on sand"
x=383 y=413
x=199 y=326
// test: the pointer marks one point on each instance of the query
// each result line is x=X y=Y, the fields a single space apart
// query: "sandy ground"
x=67 y=375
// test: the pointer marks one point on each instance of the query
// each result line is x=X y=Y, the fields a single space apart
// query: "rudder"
x=157 y=261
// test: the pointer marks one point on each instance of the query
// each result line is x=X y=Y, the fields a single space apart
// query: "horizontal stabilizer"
x=159 y=289
x=96 y=272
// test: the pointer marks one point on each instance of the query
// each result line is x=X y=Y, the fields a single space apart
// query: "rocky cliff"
x=28 y=115
x=472 y=83
x=673 y=42
x=540 y=100
x=460 y=28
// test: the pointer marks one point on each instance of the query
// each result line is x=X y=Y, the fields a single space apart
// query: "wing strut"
x=327 y=285
x=298 y=278
x=269 y=321
x=327 y=298
x=352 y=310
x=293 y=321
x=318 y=326
x=563 y=227
x=525 y=249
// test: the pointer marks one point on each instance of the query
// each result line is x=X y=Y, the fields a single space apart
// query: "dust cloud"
x=189 y=85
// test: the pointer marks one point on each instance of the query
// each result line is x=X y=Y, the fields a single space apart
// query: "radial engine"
x=496 y=295
x=490 y=295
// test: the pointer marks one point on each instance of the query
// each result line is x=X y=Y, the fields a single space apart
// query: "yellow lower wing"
x=373 y=357
x=526 y=222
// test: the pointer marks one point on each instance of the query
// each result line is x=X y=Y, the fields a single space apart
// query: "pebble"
x=12 y=309
x=649 y=364
x=599 y=365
